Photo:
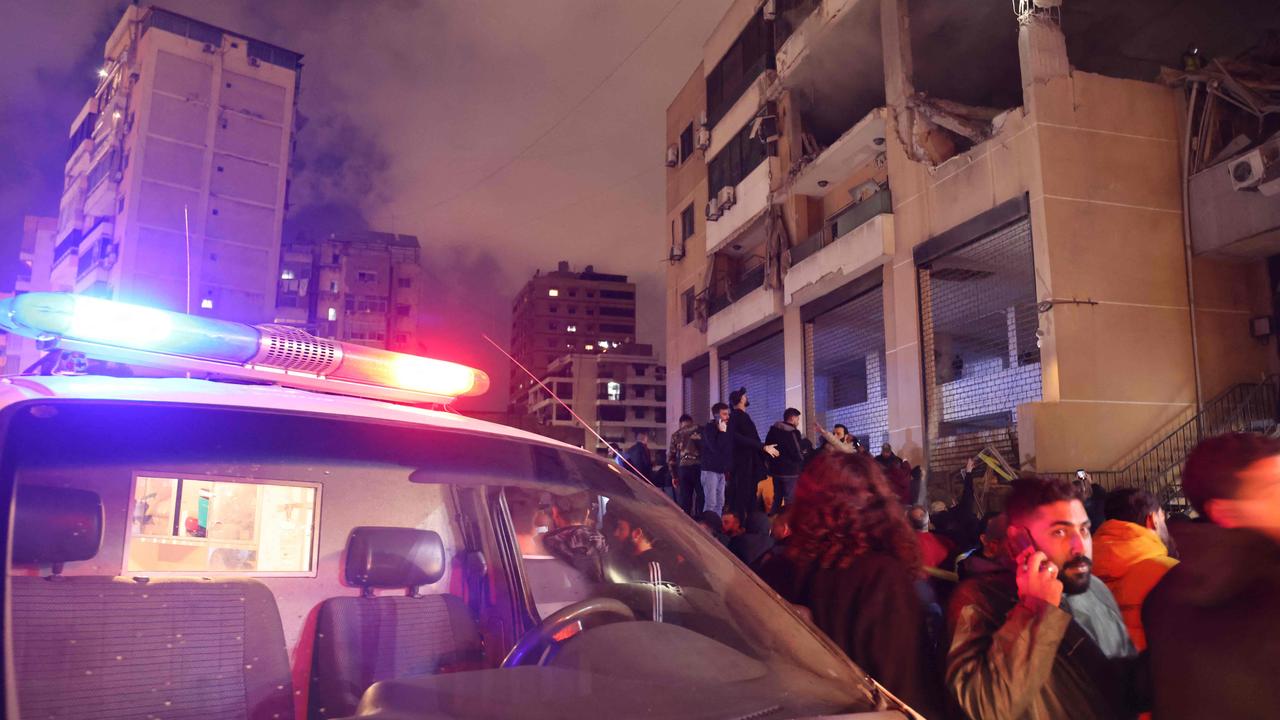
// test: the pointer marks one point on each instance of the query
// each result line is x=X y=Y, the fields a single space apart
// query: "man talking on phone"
x=1042 y=639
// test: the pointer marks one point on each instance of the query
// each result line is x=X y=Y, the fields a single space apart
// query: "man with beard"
x=748 y=465
x=1131 y=553
x=1041 y=639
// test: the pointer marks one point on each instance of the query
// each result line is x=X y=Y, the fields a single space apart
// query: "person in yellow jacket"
x=1131 y=553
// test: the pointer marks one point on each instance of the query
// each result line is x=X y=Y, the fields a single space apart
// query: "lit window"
x=603 y=343
x=333 y=314
x=614 y=389
x=186 y=525
x=286 y=274
x=553 y=293
x=572 y=328
x=207 y=303
x=589 y=347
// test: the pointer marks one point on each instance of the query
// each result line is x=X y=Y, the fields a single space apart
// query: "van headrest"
x=390 y=557
x=55 y=525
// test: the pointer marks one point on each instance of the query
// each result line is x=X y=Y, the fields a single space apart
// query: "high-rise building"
x=177 y=175
x=951 y=241
x=363 y=288
x=617 y=394
x=565 y=311
x=35 y=255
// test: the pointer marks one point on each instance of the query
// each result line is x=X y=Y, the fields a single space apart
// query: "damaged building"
x=957 y=226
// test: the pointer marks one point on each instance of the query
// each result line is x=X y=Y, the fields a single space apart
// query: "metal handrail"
x=1236 y=409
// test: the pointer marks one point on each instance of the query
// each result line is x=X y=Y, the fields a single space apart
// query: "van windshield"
x=275 y=565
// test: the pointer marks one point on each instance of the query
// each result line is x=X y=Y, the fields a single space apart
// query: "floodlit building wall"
x=1091 y=164
x=179 y=172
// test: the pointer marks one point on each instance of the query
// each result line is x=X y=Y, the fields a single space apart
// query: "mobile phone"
x=1080 y=473
x=1017 y=540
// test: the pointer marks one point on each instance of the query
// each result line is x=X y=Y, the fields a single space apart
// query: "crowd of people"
x=1070 y=602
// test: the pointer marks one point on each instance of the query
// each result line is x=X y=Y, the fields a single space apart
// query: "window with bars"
x=980 y=351
x=845 y=370
x=758 y=368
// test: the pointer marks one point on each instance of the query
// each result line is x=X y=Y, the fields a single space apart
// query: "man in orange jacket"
x=1131 y=553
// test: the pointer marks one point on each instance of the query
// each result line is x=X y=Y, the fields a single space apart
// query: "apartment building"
x=617 y=394
x=35 y=255
x=177 y=170
x=567 y=311
x=363 y=288
x=934 y=224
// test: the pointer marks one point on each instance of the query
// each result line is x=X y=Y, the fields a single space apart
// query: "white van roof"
x=15 y=389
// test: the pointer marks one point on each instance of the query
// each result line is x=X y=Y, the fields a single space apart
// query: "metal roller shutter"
x=980 y=350
x=759 y=369
x=696 y=395
x=845 y=368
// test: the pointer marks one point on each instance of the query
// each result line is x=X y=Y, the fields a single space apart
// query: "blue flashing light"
x=135 y=327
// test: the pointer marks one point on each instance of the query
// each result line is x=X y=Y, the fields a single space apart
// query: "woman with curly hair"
x=852 y=560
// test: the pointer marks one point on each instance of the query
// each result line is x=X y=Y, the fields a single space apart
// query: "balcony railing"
x=1242 y=408
x=69 y=243
x=837 y=227
x=738 y=289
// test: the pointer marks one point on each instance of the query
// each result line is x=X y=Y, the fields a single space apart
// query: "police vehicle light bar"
x=280 y=354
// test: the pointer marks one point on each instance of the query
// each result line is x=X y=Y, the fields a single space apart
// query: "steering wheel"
x=544 y=634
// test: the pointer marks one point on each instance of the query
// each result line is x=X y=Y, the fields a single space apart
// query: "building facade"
x=566 y=311
x=946 y=241
x=35 y=256
x=616 y=393
x=363 y=288
x=178 y=167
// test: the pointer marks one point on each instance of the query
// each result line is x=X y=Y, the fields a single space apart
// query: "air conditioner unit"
x=726 y=197
x=702 y=118
x=770 y=10
x=673 y=155
x=702 y=138
x=713 y=209
x=1249 y=170
x=675 y=254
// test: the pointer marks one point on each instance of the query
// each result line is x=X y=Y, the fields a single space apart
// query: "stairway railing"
x=1243 y=407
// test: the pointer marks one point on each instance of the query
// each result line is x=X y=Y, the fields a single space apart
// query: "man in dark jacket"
x=1211 y=622
x=683 y=458
x=1042 y=639
x=641 y=459
x=754 y=541
x=715 y=449
x=785 y=435
x=748 y=468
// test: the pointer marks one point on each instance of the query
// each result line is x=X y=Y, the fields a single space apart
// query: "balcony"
x=739 y=288
x=827 y=34
x=747 y=312
x=66 y=245
x=751 y=202
x=861 y=247
x=856 y=148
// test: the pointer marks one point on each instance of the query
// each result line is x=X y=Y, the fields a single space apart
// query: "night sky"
x=506 y=134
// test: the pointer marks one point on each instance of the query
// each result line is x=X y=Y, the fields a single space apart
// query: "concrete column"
x=713 y=375
x=895 y=38
x=793 y=358
x=1042 y=51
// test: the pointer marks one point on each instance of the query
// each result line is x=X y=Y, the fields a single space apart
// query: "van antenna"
x=566 y=407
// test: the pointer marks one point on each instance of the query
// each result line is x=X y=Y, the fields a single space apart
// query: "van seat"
x=113 y=647
x=366 y=639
